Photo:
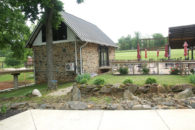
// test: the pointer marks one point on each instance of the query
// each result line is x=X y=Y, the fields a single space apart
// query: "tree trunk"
x=49 y=47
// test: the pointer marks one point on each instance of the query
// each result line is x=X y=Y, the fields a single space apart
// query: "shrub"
x=192 y=71
x=123 y=70
x=3 y=109
x=127 y=81
x=145 y=70
x=11 y=61
x=150 y=81
x=192 y=78
x=99 y=81
x=83 y=78
x=175 y=71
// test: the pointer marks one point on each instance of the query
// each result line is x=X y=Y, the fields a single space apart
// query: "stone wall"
x=65 y=53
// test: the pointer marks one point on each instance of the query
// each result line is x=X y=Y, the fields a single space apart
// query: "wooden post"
x=133 y=69
x=158 y=68
x=192 y=49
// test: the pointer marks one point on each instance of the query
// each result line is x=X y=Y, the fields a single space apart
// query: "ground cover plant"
x=128 y=81
x=83 y=78
x=150 y=81
x=99 y=81
x=123 y=70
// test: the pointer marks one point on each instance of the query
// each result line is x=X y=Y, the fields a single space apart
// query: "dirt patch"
x=6 y=85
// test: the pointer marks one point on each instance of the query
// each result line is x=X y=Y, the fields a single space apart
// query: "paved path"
x=101 y=120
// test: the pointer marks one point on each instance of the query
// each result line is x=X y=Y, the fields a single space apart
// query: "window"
x=60 y=34
x=104 y=58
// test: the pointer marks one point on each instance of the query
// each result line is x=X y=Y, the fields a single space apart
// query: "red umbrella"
x=185 y=48
x=146 y=53
x=166 y=50
x=157 y=52
x=138 y=52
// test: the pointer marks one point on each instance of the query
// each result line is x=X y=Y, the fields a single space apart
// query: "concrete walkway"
x=101 y=120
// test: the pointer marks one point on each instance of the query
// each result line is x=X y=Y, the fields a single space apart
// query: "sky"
x=119 y=18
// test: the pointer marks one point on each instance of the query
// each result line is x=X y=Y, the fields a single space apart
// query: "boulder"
x=179 y=88
x=161 y=89
x=153 y=88
x=18 y=105
x=185 y=94
x=143 y=89
x=192 y=104
x=137 y=107
x=132 y=88
x=127 y=95
x=105 y=89
x=77 y=105
x=76 y=94
x=36 y=92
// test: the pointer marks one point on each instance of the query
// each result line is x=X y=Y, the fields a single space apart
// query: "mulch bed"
x=9 y=113
x=6 y=85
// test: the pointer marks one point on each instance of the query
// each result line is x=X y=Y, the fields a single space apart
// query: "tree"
x=13 y=30
x=159 y=40
x=125 y=43
x=50 y=11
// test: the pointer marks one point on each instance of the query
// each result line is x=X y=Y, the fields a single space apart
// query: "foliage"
x=145 y=70
x=159 y=40
x=128 y=81
x=99 y=81
x=192 y=78
x=3 y=109
x=175 y=71
x=123 y=70
x=10 y=60
x=192 y=71
x=128 y=42
x=83 y=78
x=150 y=81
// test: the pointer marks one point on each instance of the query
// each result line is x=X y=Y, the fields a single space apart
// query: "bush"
x=123 y=70
x=11 y=61
x=192 y=78
x=127 y=81
x=99 y=81
x=145 y=70
x=83 y=78
x=192 y=71
x=150 y=81
x=175 y=71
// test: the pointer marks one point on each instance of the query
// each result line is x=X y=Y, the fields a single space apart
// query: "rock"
x=132 y=88
x=153 y=88
x=112 y=106
x=45 y=106
x=127 y=95
x=146 y=107
x=17 y=105
x=137 y=107
x=116 y=85
x=105 y=89
x=168 y=103
x=76 y=94
x=33 y=105
x=76 y=105
x=192 y=104
x=185 y=94
x=161 y=89
x=179 y=88
x=36 y=92
x=144 y=89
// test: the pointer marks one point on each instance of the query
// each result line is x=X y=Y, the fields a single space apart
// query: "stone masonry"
x=65 y=53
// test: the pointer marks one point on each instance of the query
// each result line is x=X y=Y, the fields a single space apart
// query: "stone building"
x=79 y=47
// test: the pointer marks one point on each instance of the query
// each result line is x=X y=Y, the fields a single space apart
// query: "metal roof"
x=84 y=30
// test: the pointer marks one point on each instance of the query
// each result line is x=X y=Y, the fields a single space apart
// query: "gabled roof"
x=84 y=30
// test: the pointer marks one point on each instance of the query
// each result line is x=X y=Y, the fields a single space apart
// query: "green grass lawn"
x=132 y=54
x=140 y=79
x=26 y=90
x=22 y=77
x=2 y=59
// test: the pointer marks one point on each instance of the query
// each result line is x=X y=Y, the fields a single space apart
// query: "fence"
x=155 y=67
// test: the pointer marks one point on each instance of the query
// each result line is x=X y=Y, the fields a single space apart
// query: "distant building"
x=79 y=47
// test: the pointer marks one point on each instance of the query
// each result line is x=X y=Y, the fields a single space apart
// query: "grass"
x=26 y=90
x=21 y=78
x=2 y=59
x=132 y=54
x=140 y=79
